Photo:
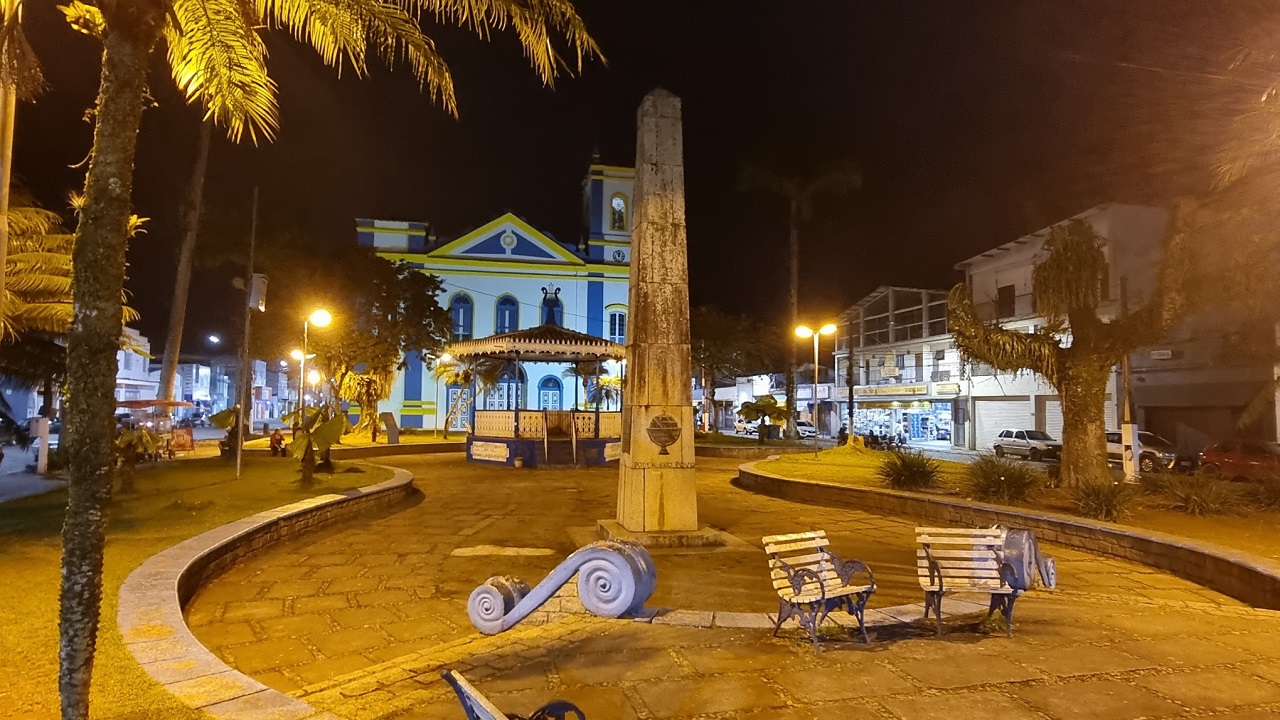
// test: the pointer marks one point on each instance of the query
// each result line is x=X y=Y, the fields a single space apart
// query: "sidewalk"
x=16 y=482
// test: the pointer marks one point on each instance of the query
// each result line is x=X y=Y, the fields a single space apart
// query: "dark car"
x=1241 y=459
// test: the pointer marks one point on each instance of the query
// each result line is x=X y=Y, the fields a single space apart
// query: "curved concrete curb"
x=153 y=596
x=1246 y=577
x=372 y=451
x=746 y=452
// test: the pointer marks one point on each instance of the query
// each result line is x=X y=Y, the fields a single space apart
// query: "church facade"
x=507 y=275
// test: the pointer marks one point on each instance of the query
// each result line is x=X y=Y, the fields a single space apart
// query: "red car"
x=1241 y=459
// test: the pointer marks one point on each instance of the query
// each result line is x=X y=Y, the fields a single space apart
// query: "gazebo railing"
x=538 y=424
x=532 y=424
x=495 y=423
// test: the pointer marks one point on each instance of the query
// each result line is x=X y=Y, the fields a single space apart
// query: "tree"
x=1076 y=351
x=218 y=59
x=474 y=376
x=20 y=79
x=725 y=346
x=800 y=194
x=583 y=374
x=367 y=389
x=762 y=410
x=190 y=219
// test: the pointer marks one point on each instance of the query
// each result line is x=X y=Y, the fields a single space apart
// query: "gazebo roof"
x=547 y=342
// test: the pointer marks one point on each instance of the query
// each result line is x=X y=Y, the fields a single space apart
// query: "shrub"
x=1002 y=480
x=906 y=470
x=1104 y=501
x=1265 y=494
x=1156 y=483
x=1200 y=494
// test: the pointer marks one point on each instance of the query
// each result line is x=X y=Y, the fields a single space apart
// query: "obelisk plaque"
x=656 y=489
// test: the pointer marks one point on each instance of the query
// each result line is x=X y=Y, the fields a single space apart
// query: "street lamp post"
x=319 y=318
x=445 y=358
x=804 y=331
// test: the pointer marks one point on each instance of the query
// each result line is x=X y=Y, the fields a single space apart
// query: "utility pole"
x=245 y=382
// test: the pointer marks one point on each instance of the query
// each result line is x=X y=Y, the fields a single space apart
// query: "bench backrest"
x=803 y=550
x=475 y=705
x=967 y=558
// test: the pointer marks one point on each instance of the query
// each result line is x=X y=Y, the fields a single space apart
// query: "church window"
x=618 y=213
x=618 y=326
x=460 y=311
x=552 y=311
x=508 y=319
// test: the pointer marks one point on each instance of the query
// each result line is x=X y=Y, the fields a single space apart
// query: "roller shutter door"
x=992 y=416
x=1053 y=417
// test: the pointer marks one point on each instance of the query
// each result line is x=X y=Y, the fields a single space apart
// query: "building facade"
x=507 y=275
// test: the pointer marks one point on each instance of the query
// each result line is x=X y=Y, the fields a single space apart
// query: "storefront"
x=924 y=413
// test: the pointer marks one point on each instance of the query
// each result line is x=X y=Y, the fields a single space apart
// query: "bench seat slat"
x=984 y=540
x=797 y=560
x=963 y=574
x=959 y=531
x=810 y=597
x=803 y=545
x=790 y=537
x=939 y=554
x=969 y=563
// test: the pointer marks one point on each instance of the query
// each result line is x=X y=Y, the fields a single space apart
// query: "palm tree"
x=800 y=194
x=217 y=58
x=186 y=258
x=477 y=375
x=367 y=389
x=761 y=411
x=20 y=79
x=581 y=373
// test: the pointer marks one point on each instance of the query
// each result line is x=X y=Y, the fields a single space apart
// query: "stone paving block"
x=184 y=668
x=305 y=605
x=418 y=628
x=688 y=618
x=265 y=705
x=526 y=677
x=353 y=584
x=269 y=654
x=960 y=706
x=332 y=667
x=212 y=689
x=252 y=610
x=1096 y=699
x=1269 y=670
x=335 y=572
x=1184 y=652
x=1269 y=713
x=1265 y=644
x=737 y=657
x=1212 y=689
x=293 y=588
x=363 y=616
x=383 y=597
x=947 y=675
x=624 y=664
x=292 y=626
x=868 y=681
x=731 y=693
x=742 y=620
x=1078 y=660
x=345 y=642
x=222 y=634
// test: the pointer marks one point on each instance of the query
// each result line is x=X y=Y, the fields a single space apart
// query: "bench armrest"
x=847 y=569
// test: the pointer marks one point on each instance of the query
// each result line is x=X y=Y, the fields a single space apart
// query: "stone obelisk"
x=656 y=489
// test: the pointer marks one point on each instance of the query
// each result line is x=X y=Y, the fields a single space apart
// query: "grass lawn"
x=173 y=501
x=743 y=441
x=1239 y=527
x=362 y=439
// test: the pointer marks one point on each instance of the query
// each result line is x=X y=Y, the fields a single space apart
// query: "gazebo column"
x=599 y=398
x=519 y=386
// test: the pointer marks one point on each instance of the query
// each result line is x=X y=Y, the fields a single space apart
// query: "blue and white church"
x=507 y=275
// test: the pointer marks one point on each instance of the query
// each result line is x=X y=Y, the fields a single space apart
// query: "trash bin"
x=772 y=432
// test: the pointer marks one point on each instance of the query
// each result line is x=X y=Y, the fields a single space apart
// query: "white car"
x=746 y=427
x=1154 y=452
x=807 y=430
x=1034 y=445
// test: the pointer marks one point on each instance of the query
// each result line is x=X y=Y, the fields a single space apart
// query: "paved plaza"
x=361 y=617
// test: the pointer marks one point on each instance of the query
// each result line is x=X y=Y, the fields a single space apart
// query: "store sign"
x=894 y=405
x=946 y=388
x=1161 y=354
x=613 y=451
x=889 y=371
x=892 y=390
x=824 y=392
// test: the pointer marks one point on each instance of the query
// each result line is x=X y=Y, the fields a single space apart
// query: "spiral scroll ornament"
x=615 y=578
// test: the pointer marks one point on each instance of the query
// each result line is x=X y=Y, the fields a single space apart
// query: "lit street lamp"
x=804 y=331
x=445 y=358
x=214 y=339
x=320 y=318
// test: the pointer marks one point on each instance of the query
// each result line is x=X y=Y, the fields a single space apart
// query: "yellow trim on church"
x=489 y=227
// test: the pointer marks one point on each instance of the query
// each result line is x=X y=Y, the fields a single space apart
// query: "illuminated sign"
x=892 y=390
x=946 y=388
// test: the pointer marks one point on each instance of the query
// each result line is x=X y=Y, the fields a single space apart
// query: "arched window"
x=618 y=213
x=552 y=310
x=460 y=312
x=618 y=326
x=508 y=319
x=549 y=393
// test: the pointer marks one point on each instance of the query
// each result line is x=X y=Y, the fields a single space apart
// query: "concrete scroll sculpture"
x=615 y=578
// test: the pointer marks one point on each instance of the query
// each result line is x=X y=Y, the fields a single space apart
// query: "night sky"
x=974 y=121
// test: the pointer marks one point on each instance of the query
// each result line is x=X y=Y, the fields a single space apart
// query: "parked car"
x=1154 y=452
x=1034 y=445
x=746 y=427
x=1241 y=459
x=807 y=430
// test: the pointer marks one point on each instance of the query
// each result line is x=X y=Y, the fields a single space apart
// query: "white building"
x=507 y=275
x=134 y=378
x=907 y=376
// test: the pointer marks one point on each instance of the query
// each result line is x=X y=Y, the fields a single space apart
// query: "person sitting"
x=842 y=438
x=277 y=443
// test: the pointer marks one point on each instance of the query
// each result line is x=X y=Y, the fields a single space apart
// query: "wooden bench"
x=968 y=560
x=478 y=707
x=811 y=581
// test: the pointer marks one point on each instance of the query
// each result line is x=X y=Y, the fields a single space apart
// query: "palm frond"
x=535 y=23
x=1070 y=273
x=340 y=31
x=998 y=347
x=218 y=60
x=19 y=68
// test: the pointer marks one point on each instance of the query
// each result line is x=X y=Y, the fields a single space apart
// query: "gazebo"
x=531 y=437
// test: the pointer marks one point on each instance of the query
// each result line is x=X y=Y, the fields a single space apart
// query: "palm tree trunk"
x=186 y=256
x=1084 y=450
x=793 y=297
x=97 y=284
